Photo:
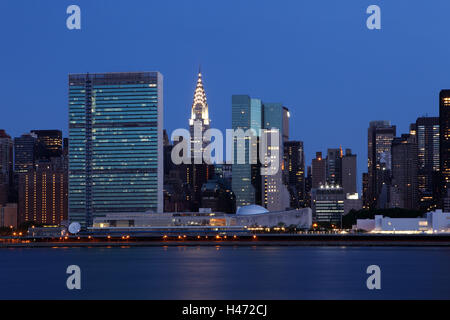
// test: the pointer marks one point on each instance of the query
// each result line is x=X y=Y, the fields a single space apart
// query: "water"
x=226 y=273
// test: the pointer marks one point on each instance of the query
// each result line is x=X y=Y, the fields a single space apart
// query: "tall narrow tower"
x=199 y=110
x=198 y=172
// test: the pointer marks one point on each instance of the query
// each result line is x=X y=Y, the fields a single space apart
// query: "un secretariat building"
x=115 y=144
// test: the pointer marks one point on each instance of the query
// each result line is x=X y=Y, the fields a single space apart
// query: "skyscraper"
x=294 y=165
x=25 y=148
x=349 y=172
x=444 y=139
x=115 y=144
x=198 y=173
x=380 y=136
x=426 y=130
x=274 y=192
x=319 y=171
x=334 y=166
x=246 y=181
x=404 y=189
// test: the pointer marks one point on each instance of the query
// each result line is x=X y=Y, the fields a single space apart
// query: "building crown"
x=199 y=106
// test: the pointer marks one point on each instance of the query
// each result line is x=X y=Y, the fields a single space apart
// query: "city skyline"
x=313 y=63
x=308 y=162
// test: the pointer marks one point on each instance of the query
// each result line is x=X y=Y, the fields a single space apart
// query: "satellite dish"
x=74 y=227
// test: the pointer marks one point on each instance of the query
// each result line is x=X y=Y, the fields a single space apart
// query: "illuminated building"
x=444 y=139
x=275 y=195
x=115 y=144
x=246 y=181
x=434 y=222
x=426 y=130
x=198 y=172
x=328 y=205
x=380 y=136
x=404 y=191
x=43 y=194
x=200 y=222
x=248 y=185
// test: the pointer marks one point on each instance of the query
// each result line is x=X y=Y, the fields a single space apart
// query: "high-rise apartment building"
x=380 y=136
x=444 y=139
x=115 y=144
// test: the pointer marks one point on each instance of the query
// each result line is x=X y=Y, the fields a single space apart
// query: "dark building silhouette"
x=404 y=191
x=25 y=149
x=294 y=166
x=319 y=172
x=50 y=143
x=308 y=185
x=6 y=166
x=176 y=191
x=218 y=196
x=349 y=172
x=334 y=166
x=365 y=190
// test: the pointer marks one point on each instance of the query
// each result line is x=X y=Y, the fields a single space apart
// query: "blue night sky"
x=316 y=56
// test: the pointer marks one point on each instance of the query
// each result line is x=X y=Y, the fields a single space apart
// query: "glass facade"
x=246 y=114
x=115 y=144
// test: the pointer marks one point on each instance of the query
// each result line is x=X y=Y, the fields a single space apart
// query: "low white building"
x=247 y=216
x=434 y=222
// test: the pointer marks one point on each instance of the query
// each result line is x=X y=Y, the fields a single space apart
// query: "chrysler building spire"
x=200 y=106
